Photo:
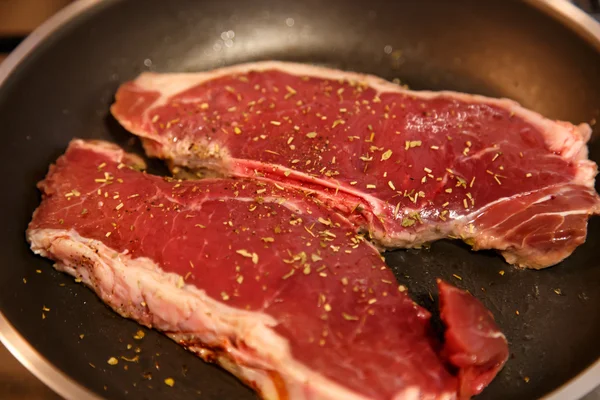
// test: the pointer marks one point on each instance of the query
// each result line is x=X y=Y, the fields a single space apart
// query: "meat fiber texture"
x=259 y=278
x=408 y=167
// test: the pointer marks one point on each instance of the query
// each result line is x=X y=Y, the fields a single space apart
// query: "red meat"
x=408 y=167
x=259 y=278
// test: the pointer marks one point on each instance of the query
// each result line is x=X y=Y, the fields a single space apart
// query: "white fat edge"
x=470 y=217
x=532 y=262
x=153 y=285
x=413 y=393
x=562 y=214
x=511 y=254
x=494 y=335
x=302 y=385
x=259 y=377
x=251 y=165
x=460 y=225
x=43 y=240
x=586 y=172
x=561 y=136
x=372 y=201
x=110 y=150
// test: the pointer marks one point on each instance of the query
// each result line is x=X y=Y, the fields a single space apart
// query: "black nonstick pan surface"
x=59 y=85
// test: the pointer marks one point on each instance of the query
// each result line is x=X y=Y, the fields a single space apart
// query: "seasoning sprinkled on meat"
x=485 y=171
x=274 y=287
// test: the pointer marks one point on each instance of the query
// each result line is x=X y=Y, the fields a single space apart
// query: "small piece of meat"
x=473 y=342
x=408 y=167
x=258 y=278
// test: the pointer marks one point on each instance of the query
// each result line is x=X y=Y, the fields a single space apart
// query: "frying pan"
x=60 y=82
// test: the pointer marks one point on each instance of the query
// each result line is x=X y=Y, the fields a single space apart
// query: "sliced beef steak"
x=410 y=167
x=259 y=278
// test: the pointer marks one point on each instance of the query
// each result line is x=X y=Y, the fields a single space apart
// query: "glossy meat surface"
x=409 y=167
x=259 y=278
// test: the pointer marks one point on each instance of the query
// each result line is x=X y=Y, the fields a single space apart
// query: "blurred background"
x=17 y=19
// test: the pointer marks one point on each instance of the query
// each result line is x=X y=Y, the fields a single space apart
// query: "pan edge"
x=39 y=366
x=16 y=344
x=571 y=16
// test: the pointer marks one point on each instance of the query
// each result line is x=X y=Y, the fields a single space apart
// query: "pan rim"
x=70 y=389
x=41 y=368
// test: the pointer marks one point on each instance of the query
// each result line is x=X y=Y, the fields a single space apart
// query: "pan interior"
x=499 y=48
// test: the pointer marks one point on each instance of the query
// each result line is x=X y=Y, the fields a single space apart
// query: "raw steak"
x=258 y=278
x=408 y=167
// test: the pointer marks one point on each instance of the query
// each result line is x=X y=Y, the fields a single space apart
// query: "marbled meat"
x=408 y=167
x=259 y=278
